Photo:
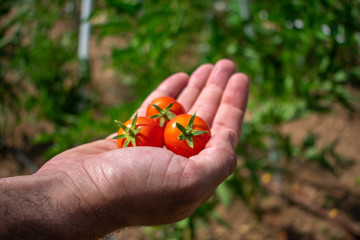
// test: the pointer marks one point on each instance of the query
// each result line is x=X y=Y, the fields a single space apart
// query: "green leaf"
x=120 y=136
x=340 y=77
x=162 y=121
x=164 y=114
x=190 y=141
x=309 y=140
x=169 y=106
x=133 y=123
x=127 y=141
x=197 y=133
x=155 y=116
x=181 y=137
x=133 y=142
x=181 y=128
x=160 y=110
x=120 y=124
x=136 y=132
x=191 y=122
x=130 y=7
x=170 y=115
x=357 y=180
x=183 y=223
x=224 y=194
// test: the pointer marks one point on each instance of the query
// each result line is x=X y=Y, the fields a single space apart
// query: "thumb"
x=218 y=160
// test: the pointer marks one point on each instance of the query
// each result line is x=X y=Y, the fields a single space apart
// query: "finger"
x=196 y=83
x=209 y=99
x=231 y=111
x=218 y=160
x=171 y=87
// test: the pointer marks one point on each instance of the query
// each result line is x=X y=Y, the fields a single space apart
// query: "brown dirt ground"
x=281 y=219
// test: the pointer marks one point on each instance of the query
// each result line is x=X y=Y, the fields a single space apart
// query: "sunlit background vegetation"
x=301 y=57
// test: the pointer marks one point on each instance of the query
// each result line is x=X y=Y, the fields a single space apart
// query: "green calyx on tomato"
x=194 y=136
x=129 y=132
x=164 y=114
x=188 y=132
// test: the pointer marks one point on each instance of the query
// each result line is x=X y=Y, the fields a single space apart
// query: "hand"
x=114 y=188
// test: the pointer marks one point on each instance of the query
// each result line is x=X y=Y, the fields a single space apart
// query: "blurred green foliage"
x=34 y=62
x=300 y=58
x=40 y=73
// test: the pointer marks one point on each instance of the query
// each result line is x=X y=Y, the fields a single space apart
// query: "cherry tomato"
x=140 y=131
x=163 y=109
x=186 y=135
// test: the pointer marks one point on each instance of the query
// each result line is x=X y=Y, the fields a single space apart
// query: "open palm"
x=150 y=186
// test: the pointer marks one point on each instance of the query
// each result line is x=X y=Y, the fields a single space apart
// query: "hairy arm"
x=32 y=207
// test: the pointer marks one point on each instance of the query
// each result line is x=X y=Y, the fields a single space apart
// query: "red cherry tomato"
x=163 y=109
x=189 y=138
x=140 y=131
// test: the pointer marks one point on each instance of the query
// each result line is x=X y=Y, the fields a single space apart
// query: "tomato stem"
x=164 y=114
x=188 y=132
x=129 y=132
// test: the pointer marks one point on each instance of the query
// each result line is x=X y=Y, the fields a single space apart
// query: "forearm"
x=31 y=209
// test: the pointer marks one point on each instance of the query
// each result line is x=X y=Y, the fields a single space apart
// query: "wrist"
x=41 y=207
